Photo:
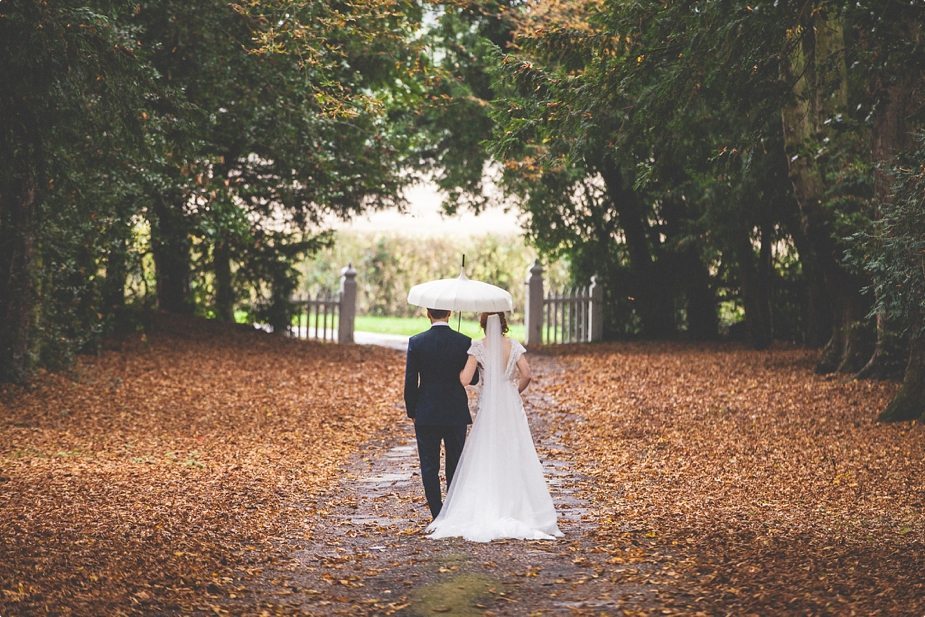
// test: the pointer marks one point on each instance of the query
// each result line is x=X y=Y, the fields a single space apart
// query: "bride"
x=498 y=490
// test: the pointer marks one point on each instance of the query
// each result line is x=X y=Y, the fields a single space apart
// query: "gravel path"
x=363 y=550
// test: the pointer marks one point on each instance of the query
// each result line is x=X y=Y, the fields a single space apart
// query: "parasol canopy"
x=461 y=294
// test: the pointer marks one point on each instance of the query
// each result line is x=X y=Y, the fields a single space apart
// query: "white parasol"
x=461 y=294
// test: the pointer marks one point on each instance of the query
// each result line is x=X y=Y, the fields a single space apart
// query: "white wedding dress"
x=498 y=490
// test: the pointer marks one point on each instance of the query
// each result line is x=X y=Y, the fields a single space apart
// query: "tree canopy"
x=702 y=154
x=725 y=168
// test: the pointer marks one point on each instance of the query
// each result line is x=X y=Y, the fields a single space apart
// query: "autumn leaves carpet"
x=169 y=473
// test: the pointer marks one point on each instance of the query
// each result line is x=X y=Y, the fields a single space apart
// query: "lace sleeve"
x=475 y=349
x=517 y=350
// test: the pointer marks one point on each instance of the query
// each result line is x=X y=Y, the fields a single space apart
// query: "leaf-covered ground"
x=210 y=469
x=757 y=486
x=156 y=476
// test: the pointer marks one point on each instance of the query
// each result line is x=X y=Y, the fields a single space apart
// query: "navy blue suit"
x=437 y=403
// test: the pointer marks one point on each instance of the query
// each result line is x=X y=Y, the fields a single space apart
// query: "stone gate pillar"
x=596 y=311
x=347 y=307
x=533 y=307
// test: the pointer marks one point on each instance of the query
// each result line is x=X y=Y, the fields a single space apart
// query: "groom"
x=436 y=400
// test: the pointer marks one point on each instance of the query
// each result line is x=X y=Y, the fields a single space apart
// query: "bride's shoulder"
x=476 y=345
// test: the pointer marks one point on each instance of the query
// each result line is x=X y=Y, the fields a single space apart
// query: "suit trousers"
x=429 y=438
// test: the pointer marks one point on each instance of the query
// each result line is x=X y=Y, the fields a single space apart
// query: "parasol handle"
x=459 y=313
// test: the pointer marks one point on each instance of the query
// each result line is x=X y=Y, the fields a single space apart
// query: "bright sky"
x=424 y=218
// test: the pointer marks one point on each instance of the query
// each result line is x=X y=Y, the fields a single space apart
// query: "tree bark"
x=889 y=352
x=814 y=63
x=817 y=325
x=224 y=287
x=116 y=272
x=17 y=283
x=754 y=276
x=654 y=305
x=170 y=245
x=763 y=286
x=702 y=319
x=690 y=274
x=859 y=337
x=890 y=136
x=909 y=402
x=280 y=309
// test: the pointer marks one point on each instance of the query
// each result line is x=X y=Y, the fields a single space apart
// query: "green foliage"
x=700 y=157
x=895 y=246
x=290 y=123
x=226 y=134
x=615 y=173
x=644 y=137
x=69 y=139
x=462 y=40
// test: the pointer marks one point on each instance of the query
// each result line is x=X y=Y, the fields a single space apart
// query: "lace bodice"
x=477 y=349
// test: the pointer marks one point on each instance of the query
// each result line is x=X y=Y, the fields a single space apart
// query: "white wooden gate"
x=329 y=315
x=565 y=316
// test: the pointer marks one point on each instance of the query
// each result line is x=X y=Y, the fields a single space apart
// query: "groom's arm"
x=411 y=383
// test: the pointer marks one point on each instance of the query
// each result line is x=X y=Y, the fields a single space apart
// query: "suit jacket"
x=433 y=394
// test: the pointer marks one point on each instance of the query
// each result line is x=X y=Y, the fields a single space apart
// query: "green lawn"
x=409 y=325
x=413 y=325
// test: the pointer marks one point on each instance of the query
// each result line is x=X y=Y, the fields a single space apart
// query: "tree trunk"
x=170 y=245
x=763 y=285
x=280 y=309
x=654 y=306
x=224 y=288
x=890 y=136
x=909 y=402
x=17 y=284
x=116 y=273
x=817 y=326
x=859 y=337
x=702 y=319
x=851 y=344
x=756 y=290
x=689 y=274
x=816 y=62
x=889 y=352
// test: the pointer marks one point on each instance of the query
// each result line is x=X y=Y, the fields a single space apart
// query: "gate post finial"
x=347 y=307
x=533 y=307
